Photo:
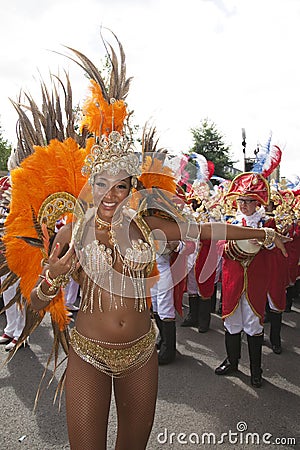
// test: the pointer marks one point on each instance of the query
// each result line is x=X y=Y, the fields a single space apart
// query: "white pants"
x=15 y=318
x=192 y=286
x=243 y=318
x=271 y=304
x=71 y=292
x=162 y=293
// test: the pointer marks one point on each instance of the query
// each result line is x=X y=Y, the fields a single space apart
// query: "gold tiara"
x=112 y=153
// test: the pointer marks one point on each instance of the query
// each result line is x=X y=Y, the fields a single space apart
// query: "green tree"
x=5 y=151
x=209 y=142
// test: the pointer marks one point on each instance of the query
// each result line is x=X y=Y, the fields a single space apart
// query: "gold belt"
x=116 y=362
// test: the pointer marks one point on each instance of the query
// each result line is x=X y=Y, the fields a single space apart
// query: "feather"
x=50 y=169
x=60 y=337
x=36 y=225
x=98 y=114
x=273 y=161
x=8 y=282
x=149 y=142
x=294 y=185
x=4 y=269
x=268 y=158
x=211 y=169
x=16 y=299
x=201 y=165
x=89 y=68
x=48 y=122
x=35 y=242
x=32 y=321
x=46 y=238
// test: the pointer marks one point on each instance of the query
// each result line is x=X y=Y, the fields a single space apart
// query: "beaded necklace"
x=98 y=261
x=103 y=225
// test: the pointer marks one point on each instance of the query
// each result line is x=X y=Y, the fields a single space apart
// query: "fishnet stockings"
x=88 y=396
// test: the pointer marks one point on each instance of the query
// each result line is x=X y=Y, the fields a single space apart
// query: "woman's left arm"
x=224 y=231
x=214 y=231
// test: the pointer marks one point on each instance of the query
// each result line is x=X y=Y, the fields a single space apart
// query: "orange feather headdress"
x=104 y=116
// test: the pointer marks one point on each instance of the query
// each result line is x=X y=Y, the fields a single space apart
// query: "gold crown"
x=112 y=153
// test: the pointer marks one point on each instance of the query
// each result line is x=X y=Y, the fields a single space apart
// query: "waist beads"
x=115 y=362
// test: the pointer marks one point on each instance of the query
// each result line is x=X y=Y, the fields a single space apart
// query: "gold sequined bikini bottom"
x=115 y=362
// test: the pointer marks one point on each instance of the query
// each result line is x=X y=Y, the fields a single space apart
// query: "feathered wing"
x=49 y=170
x=47 y=160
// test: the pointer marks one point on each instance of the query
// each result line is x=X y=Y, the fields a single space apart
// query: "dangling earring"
x=134 y=182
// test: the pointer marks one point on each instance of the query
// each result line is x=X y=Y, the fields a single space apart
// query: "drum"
x=242 y=250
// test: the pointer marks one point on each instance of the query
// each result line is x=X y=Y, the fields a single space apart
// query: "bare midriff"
x=120 y=325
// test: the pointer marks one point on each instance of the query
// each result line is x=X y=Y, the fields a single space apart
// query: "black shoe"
x=203 y=329
x=277 y=349
x=226 y=368
x=256 y=381
x=167 y=352
x=188 y=322
x=166 y=358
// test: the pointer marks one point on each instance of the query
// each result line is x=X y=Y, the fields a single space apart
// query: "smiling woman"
x=124 y=214
x=109 y=193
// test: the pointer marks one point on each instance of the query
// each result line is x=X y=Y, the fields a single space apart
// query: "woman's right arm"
x=61 y=260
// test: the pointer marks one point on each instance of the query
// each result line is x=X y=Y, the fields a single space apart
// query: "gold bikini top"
x=97 y=262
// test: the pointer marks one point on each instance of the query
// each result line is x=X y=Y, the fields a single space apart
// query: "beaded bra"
x=98 y=263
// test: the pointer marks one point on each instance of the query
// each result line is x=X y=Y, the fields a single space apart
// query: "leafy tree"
x=209 y=142
x=5 y=151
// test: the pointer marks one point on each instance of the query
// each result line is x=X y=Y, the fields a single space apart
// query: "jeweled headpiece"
x=112 y=153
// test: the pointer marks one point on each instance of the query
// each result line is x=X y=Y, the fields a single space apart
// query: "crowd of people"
x=130 y=247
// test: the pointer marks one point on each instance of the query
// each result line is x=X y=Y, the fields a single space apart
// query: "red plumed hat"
x=250 y=184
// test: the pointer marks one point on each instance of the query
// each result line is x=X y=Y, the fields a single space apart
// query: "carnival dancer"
x=245 y=278
x=110 y=250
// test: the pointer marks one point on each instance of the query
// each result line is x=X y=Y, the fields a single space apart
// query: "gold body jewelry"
x=115 y=362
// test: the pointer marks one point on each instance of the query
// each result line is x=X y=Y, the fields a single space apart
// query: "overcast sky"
x=235 y=62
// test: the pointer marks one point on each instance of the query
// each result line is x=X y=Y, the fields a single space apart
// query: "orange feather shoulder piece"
x=49 y=170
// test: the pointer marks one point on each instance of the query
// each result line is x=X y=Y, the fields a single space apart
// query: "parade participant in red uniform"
x=292 y=198
x=278 y=217
x=245 y=279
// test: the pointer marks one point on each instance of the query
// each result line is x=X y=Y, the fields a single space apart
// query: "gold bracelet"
x=269 y=236
x=56 y=283
x=44 y=297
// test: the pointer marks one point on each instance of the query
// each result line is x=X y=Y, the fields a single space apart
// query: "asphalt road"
x=195 y=408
